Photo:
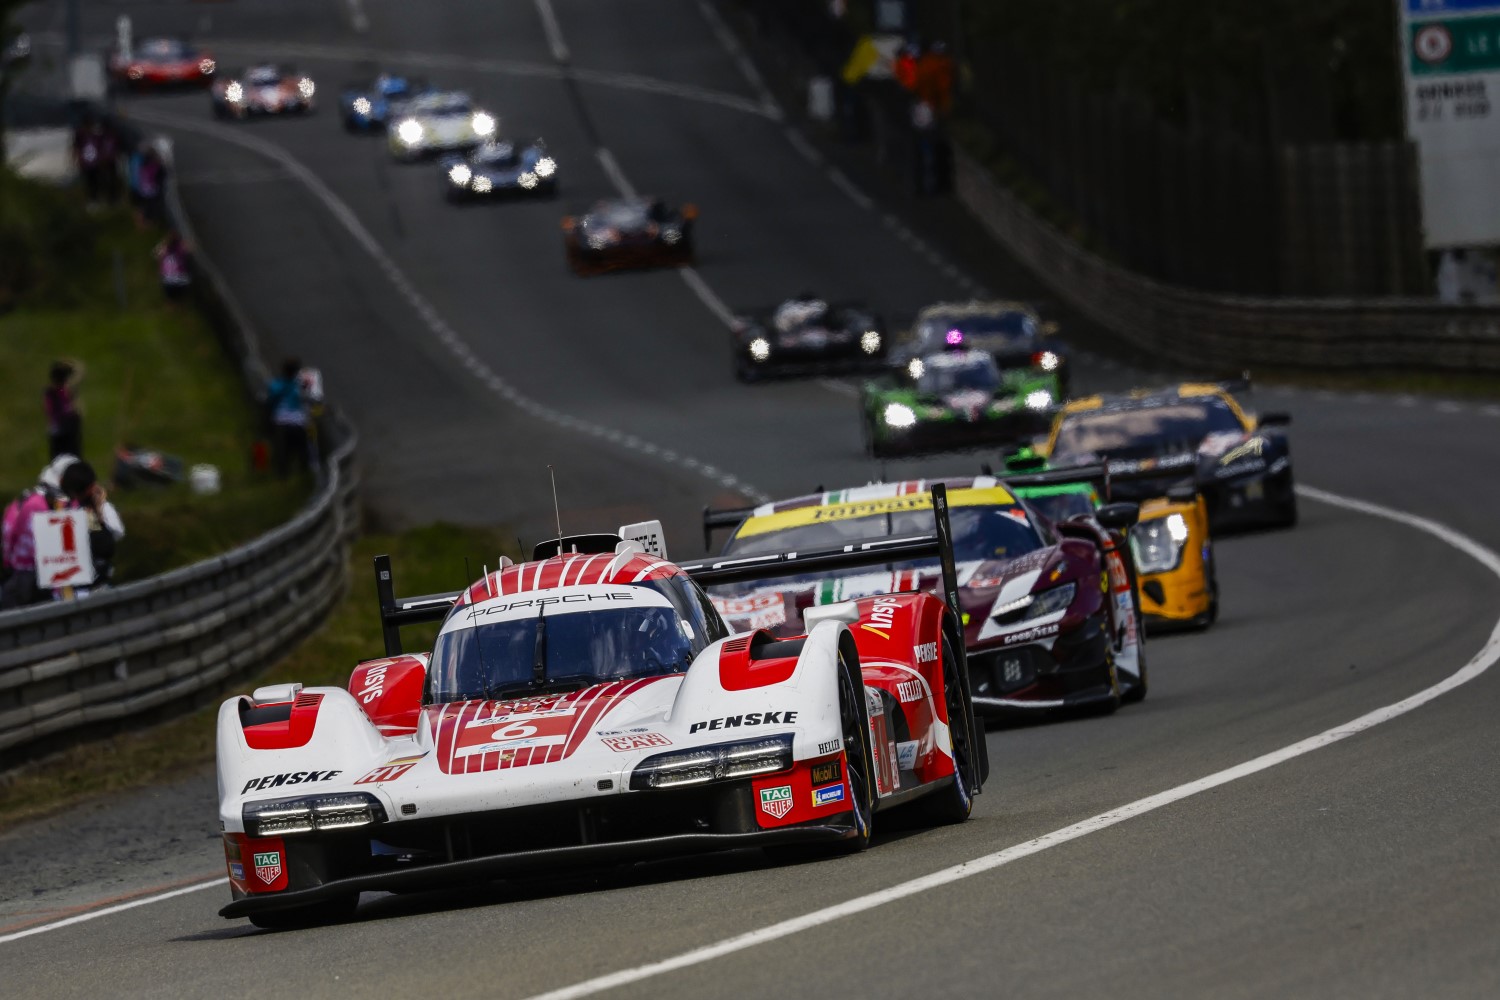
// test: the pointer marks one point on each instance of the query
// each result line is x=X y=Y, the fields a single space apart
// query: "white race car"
x=437 y=122
x=591 y=706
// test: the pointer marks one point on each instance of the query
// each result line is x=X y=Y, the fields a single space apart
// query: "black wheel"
x=954 y=802
x=859 y=771
x=329 y=911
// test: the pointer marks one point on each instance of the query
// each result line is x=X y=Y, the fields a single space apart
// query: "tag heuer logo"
x=776 y=802
x=268 y=866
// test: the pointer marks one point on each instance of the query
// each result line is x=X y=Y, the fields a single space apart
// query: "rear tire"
x=954 y=803
x=1137 y=691
x=329 y=911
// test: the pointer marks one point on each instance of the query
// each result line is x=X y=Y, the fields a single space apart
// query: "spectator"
x=82 y=490
x=288 y=413
x=17 y=545
x=64 y=421
x=905 y=67
x=174 y=262
x=150 y=180
x=90 y=152
x=935 y=78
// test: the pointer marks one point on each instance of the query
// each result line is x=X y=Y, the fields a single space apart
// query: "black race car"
x=629 y=232
x=1011 y=332
x=1193 y=435
x=807 y=335
x=500 y=168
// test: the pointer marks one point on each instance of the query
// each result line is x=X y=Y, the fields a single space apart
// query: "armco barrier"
x=1229 y=332
x=144 y=650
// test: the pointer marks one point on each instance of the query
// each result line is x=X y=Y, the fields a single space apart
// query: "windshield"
x=936 y=329
x=163 y=48
x=1061 y=506
x=941 y=377
x=1149 y=430
x=979 y=533
x=500 y=154
x=549 y=640
x=444 y=107
x=263 y=75
x=621 y=214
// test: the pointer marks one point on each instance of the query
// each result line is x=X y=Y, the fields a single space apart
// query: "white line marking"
x=802 y=146
x=1481 y=662
x=1449 y=406
x=357 y=19
x=845 y=185
x=614 y=173
x=706 y=295
x=108 y=910
x=741 y=59
x=346 y=216
x=554 y=31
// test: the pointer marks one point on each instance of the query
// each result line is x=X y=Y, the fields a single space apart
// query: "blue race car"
x=501 y=167
x=368 y=107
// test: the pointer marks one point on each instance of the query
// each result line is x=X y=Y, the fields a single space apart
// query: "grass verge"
x=155 y=376
x=426 y=560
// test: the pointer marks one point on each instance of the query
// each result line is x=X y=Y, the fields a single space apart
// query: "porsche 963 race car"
x=591 y=706
x=620 y=233
x=807 y=335
x=161 y=63
x=499 y=168
x=438 y=121
x=262 y=90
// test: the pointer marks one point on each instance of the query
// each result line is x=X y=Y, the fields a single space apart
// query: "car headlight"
x=1038 y=399
x=1159 y=542
x=234 y=93
x=1037 y=605
x=869 y=341
x=305 y=87
x=409 y=131
x=722 y=762
x=760 y=348
x=304 y=814
x=206 y=66
x=484 y=124
x=483 y=185
x=460 y=174
x=1049 y=361
x=545 y=167
x=363 y=107
x=899 y=415
x=527 y=179
x=915 y=368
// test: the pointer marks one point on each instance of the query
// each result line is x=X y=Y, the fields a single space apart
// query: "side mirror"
x=1119 y=517
x=1274 y=420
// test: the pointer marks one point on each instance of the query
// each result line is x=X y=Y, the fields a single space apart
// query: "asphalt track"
x=1363 y=868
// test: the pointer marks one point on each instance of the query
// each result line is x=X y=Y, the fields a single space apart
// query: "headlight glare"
x=409 y=131
x=305 y=87
x=362 y=106
x=546 y=167
x=206 y=66
x=899 y=415
x=484 y=123
x=1038 y=399
x=915 y=368
x=1158 y=543
x=869 y=341
x=760 y=348
x=460 y=174
x=234 y=93
x=1049 y=361
x=716 y=763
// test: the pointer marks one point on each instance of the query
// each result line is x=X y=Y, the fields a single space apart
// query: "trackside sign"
x=1451 y=65
x=63 y=558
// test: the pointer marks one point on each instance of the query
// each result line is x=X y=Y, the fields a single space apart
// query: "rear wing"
x=728 y=517
x=1095 y=475
x=398 y=611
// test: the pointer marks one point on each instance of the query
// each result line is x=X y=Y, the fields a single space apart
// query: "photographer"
x=82 y=491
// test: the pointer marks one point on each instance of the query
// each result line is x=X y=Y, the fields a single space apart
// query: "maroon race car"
x=1051 y=615
x=162 y=62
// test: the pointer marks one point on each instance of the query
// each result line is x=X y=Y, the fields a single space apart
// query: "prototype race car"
x=438 y=121
x=629 y=232
x=1049 y=610
x=807 y=335
x=268 y=89
x=590 y=706
x=1192 y=436
x=160 y=63
x=502 y=167
x=1010 y=331
x=1170 y=543
x=366 y=107
x=953 y=399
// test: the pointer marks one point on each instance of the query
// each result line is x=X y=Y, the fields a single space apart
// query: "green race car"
x=950 y=400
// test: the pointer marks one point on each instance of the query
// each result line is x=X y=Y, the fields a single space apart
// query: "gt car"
x=953 y=399
x=1011 y=331
x=267 y=89
x=586 y=707
x=501 y=167
x=629 y=232
x=1189 y=436
x=1049 y=610
x=366 y=107
x=805 y=335
x=161 y=62
x=440 y=121
x=1170 y=543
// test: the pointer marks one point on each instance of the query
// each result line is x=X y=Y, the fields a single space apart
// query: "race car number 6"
x=514 y=731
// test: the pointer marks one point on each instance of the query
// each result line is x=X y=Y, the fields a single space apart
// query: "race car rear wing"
x=1096 y=475
x=728 y=517
x=398 y=611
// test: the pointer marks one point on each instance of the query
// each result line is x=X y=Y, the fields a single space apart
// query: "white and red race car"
x=591 y=706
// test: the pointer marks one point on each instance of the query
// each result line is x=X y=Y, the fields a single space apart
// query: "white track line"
x=1481 y=662
x=439 y=327
x=614 y=173
x=554 y=31
x=109 y=910
x=706 y=295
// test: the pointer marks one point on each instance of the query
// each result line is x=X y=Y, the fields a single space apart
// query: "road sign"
x=1451 y=64
x=63 y=557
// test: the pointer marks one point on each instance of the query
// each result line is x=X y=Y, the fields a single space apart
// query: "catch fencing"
x=146 y=650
